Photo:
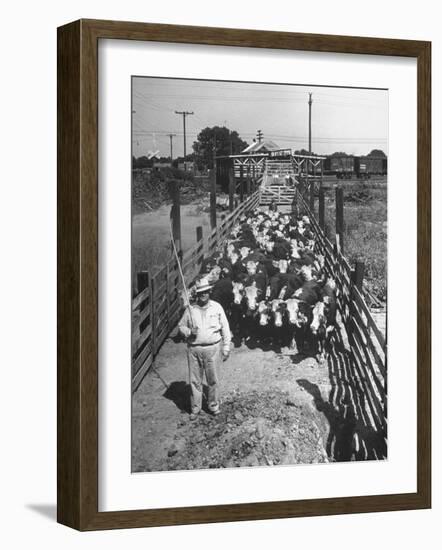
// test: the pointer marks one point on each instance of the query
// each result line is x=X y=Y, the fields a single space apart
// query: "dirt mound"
x=253 y=429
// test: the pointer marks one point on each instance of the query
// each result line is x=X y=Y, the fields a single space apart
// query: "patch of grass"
x=365 y=232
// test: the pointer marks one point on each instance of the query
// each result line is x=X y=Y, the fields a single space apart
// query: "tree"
x=377 y=153
x=142 y=162
x=227 y=142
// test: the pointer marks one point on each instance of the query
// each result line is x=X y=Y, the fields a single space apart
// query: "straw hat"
x=203 y=285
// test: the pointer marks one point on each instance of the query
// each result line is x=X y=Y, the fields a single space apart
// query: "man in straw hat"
x=207 y=331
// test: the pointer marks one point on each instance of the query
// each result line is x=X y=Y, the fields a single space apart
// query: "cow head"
x=269 y=245
x=235 y=231
x=263 y=313
x=310 y=244
x=251 y=267
x=282 y=266
x=294 y=248
x=251 y=295
x=225 y=273
x=293 y=311
x=238 y=289
x=234 y=257
x=319 y=319
x=306 y=272
x=278 y=309
x=331 y=284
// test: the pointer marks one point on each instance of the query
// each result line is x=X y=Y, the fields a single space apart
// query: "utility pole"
x=259 y=136
x=184 y=113
x=310 y=101
x=171 y=136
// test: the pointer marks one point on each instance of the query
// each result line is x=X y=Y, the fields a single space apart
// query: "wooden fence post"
x=249 y=182
x=340 y=217
x=199 y=238
x=176 y=212
x=231 y=188
x=312 y=196
x=213 y=196
x=168 y=297
x=241 y=183
x=358 y=275
x=321 y=209
x=199 y=233
x=304 y=180
x=294 y=206
x=152 y=317
x=142 y=280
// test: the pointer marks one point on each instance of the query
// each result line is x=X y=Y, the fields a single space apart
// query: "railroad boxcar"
x=367 y=166
x=342 y=166
x=350 y=166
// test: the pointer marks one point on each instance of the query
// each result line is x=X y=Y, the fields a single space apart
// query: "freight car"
x=351 y=166
x=342 y=166
x=372 y=166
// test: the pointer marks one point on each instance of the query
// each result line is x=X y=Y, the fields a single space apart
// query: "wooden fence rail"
x=157 y=307
x=367 y=373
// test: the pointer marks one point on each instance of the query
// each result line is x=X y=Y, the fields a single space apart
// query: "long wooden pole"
x=340 y=217
x=231 y=187
x=186 y=292
x=321 y=208
x=241 y=183
x=176 y=212
x=213 y=195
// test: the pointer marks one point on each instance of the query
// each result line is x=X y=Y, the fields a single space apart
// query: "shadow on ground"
x=48 y=511
x=351 y=436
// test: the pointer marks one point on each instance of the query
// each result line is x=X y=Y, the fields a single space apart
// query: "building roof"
x=264 y=146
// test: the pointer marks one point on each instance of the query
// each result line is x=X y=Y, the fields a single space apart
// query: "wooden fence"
x=360 y=376
x=358 y=364
x=157 y=307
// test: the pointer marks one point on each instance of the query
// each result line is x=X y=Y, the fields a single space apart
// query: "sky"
x=343 y=119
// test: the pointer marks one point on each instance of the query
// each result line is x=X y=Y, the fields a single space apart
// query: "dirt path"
x=271 y=413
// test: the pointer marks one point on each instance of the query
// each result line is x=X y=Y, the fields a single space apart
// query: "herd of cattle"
x=272 y=284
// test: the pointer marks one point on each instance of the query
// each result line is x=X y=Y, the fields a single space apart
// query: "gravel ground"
x=271 y=413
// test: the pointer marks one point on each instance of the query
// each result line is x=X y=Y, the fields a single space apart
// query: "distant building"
x=162 y=164
x=263 y=147
x=190 y=165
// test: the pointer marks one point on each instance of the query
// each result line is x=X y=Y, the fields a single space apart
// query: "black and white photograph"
x=259 y=274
